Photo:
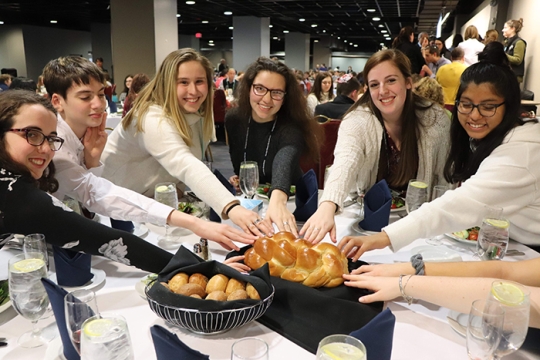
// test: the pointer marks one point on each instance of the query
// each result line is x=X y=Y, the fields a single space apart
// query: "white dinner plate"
x=140 y=286
x=436 y=253
x=461 y=319
x=140 y=230
x=356 y=227
x=55 y=349
x=95 y=283
x=461 y=240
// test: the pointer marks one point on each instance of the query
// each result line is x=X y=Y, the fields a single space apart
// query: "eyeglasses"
x=486 y=110
x=36 y=138
x=260 y=90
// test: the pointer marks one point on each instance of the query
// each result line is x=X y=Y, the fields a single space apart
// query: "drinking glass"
x=493 y=236
x=79 y=305
x=250 y=348
x=106 y=337
x=484 y=329
x=416 y=194
x=28 y=296
x=341 y=347
x=35 y=247
x=249 y=178
x=438 y=191
x=165 y=193
x=514 y=298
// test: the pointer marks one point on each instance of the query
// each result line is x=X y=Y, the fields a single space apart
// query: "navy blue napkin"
x=122 y=225
x=377 y=335
x=377 y=203
x=56 y=297
x=169 y=346
x=72 y=267
x=213 y=215
x=307 y=196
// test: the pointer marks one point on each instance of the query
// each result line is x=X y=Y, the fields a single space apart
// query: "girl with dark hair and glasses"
x=494 y=157
x=272 y=126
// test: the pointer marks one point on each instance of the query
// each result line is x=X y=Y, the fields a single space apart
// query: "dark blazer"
x=335 y=109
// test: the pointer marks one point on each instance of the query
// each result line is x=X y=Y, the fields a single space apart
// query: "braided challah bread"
x=298 y=260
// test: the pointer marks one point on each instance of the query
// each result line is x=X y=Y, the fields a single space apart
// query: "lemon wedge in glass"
x=162 y=188
x=507 y=293
x=501 y=224
x=97 y=327
x=28 y=265
x=419 y=184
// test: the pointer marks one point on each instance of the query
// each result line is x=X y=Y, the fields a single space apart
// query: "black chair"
x=527 y=95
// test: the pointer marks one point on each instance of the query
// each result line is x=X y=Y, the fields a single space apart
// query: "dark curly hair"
x=10 y=103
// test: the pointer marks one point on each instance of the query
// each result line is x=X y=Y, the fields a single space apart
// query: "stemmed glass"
x=438 y=191
x=28 y=296
x=249 y=178
x=514 y=299
x=35 y=247
x=79 y=305
x=165 y=193
x=416 y=194
x=484 y=329
x=493 y=235
x=341 y=347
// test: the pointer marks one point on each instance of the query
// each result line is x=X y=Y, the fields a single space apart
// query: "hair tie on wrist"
x=230 y=208
x=417 y=263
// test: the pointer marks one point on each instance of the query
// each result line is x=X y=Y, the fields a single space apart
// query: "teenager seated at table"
x=389 y=133
x=139 y=81
x=76 y=90
x=165 y=135
x=494 y=155
x=348 y=91
x=321 y=92
x=272 y=127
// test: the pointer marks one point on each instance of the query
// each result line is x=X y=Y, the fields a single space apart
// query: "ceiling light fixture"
x=227 y=13
x=230 y=27
x=314 y=25
x=381 y=25
x=302 y=20
x=355 y=45
x=285 y=31
x=370 y=10
x=270 y=26
x=211 y=44
x=190 y=2
x=205 y=21
x=315 y=40
x=384 y=31
x=376 y=19
x=53 y=21
x=210 y=41
x=275 y=38
x=339 y=37
x=177 y=15
x=1 y=23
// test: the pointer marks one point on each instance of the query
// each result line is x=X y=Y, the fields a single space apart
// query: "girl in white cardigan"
x=389 y=133
x=322 y=91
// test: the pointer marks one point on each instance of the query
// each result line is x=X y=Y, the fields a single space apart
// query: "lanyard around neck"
x=267 y=144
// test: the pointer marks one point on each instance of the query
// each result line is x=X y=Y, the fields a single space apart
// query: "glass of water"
x=493 y=235
x=34 y=246
x=484 y=329
x=249 y=178
x=106 y=337
x=250 y=348
x=28 y=296
x=417 y=191
x=79 y=305
x=165 y=193
x=341 y=347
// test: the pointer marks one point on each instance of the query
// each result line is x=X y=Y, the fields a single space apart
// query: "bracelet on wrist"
x=417 y=262
x=230 y=208
x=407 y=298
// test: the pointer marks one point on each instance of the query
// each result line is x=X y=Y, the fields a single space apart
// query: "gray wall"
x=357 y=63
x=12 y=49
x=251 y=40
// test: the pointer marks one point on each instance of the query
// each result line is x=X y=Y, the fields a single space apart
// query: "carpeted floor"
x=222 y=160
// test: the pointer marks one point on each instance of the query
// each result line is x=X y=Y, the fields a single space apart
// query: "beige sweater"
x=358 y=150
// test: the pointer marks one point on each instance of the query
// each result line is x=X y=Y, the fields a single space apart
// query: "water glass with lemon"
x=493 y=236
x=514 y=298
x=165 y=193
x=106 y=337
x=417 y=194
x=341 y=347
x=28 y=296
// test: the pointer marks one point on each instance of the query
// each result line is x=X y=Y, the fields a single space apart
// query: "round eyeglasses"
x=36 y=138
x=486 y=110
x=260 y=90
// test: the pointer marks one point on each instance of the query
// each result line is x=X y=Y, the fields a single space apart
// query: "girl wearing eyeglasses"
x=271 y=126
x=494 y=155
x=165 y=135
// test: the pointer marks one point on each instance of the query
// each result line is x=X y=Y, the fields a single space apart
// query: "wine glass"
x=416 y=194
x=493 y=236
x=35 y=247
x=249 y=178
x=250 y=348
x=341 y=347
x=514 y=298
x=438 y=191
x=28 y=296
x=106 y=337
x=484 y=329
x=165 y=193
x=79 y=305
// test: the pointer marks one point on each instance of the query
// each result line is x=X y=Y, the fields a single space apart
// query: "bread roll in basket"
x=298 y=260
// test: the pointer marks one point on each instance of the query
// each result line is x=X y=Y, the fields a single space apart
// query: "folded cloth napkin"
x=213 y=215
x=377 y=335
x=56 y=297
x=122 y=225
x=377 y=203
x=307 y=196
x=169 y=346
x=72 y=267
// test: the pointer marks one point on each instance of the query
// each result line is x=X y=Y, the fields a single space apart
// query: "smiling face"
x=476 y=125
x=34 y=158
x=83 y=106
x=264 y=108
x=326 y=84
x=388 y=88
x=191 y=86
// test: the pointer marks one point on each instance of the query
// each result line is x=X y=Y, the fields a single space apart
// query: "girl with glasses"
x=494 y=155
x=271 y=126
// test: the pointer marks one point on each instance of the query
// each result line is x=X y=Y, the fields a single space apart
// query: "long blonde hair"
x=161 y=91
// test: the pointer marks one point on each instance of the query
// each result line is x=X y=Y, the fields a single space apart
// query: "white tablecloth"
x=421 y=330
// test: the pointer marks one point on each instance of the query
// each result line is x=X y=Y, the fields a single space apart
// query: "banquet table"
x=421 y=330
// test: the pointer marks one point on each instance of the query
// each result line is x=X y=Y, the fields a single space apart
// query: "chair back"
x=326 y=153
x=220 y=106
x=109 y=91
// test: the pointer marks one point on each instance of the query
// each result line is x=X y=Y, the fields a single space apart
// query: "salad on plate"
x=263 y=189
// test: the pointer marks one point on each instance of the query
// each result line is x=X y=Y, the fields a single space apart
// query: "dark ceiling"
x=348 y=19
